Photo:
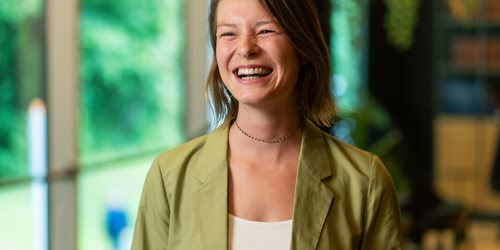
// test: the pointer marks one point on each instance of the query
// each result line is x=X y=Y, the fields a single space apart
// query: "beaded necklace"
x=275 y=140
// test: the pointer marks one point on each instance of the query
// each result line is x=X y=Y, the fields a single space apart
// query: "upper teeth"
x=251 y=71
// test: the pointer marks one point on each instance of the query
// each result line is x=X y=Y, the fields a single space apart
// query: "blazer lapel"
x=209 y=197
x=313 y=198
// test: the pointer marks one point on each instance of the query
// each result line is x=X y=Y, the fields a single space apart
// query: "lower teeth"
x=250 y=77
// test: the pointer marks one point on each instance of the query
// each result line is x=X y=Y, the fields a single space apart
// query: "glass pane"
x=131 y=78
x=23 y=216
x=107 y=203
x=21 y=77
x=23 y=192
x=131 y=106
x=16 y=205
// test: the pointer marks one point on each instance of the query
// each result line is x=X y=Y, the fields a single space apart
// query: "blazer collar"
x=213 y=156
x=313 y=197
x=209 y=195
x=313 y=151
x=314 y=154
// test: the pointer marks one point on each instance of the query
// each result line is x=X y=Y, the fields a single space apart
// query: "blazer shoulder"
x=348 y=149
x=175 y=157
x=354 y=159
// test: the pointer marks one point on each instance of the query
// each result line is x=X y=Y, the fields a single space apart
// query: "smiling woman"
x=268 y=177
x=250 y=41
x=305 y=38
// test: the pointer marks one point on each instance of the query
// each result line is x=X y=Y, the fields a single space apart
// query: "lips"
x=250 y=73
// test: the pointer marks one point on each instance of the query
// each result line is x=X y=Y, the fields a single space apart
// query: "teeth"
x=252 y=71
x=250 y=77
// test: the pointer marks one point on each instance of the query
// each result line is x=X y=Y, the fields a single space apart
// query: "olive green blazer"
x=344 y=197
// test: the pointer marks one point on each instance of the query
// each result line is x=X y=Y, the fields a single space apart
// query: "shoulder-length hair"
x=300 y=22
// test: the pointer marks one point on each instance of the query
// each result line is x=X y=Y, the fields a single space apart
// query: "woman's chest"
x=262 y=195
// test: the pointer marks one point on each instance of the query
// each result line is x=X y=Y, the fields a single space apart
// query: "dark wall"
x=402 y=82
x=324 y=8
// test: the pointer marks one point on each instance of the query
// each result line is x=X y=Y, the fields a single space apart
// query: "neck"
x=267 y=126
x=273 y=140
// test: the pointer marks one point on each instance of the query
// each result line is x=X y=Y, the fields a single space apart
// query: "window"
x=23 y=190
x=131 y=107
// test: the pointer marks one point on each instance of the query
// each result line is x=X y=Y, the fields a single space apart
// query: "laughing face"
x=256 y=61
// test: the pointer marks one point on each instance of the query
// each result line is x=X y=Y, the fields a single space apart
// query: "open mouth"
x=252 y=73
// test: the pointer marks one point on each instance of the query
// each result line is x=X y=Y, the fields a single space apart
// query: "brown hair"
x=300 y=22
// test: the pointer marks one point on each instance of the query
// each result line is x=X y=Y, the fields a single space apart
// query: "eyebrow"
x=263 y=23
x=232 y=25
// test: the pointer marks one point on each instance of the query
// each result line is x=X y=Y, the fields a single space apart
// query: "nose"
x=247 y=47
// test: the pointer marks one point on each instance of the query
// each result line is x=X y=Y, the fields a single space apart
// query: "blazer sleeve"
x=382 y=222
x=152 y=224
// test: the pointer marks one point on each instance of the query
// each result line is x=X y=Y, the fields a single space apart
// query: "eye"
x=266 y=31
x=227 y=34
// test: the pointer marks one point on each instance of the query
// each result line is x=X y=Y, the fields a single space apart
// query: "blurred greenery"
x=376 y=133
x=21 y=80
x=131 y=77
x=363 y=121
x=400 y=21
x=348 y=42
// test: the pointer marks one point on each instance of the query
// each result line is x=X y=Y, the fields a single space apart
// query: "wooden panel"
x=465 y=148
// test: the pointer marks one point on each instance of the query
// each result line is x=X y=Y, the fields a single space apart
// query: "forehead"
x=236 y=11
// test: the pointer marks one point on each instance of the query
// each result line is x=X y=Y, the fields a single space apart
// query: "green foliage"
x=376 y=133
x=364 y=122
x=348 y=44
x=131 y=77
x=400 y=21
x=19 y=31
x=17 y=11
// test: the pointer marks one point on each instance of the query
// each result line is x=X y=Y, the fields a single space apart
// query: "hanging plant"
x=400 y=21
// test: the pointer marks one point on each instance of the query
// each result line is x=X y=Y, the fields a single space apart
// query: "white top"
x=251 y=235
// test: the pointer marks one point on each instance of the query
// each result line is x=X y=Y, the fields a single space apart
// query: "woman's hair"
x=300 y=22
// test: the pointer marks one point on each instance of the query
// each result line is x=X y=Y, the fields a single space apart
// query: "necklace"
x=275 y=140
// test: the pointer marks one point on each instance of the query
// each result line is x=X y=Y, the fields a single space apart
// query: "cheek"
x=284 y=53
x=219 y=58
x=290 y=63
x=222 y=52
x=222 y=57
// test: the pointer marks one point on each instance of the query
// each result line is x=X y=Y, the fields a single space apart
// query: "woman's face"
x=256 y=61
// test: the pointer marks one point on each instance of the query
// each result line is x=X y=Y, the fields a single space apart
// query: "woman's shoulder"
x=180 y=155
x=338 y=149
x=183 y=150
x=354 y=165
x=348 y=150
x=354 y=160
x=188 y=153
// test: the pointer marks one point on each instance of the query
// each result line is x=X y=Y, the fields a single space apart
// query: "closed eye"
x=227 y=34
x=266 y=31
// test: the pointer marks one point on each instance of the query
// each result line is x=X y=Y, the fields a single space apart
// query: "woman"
x=268 y=177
